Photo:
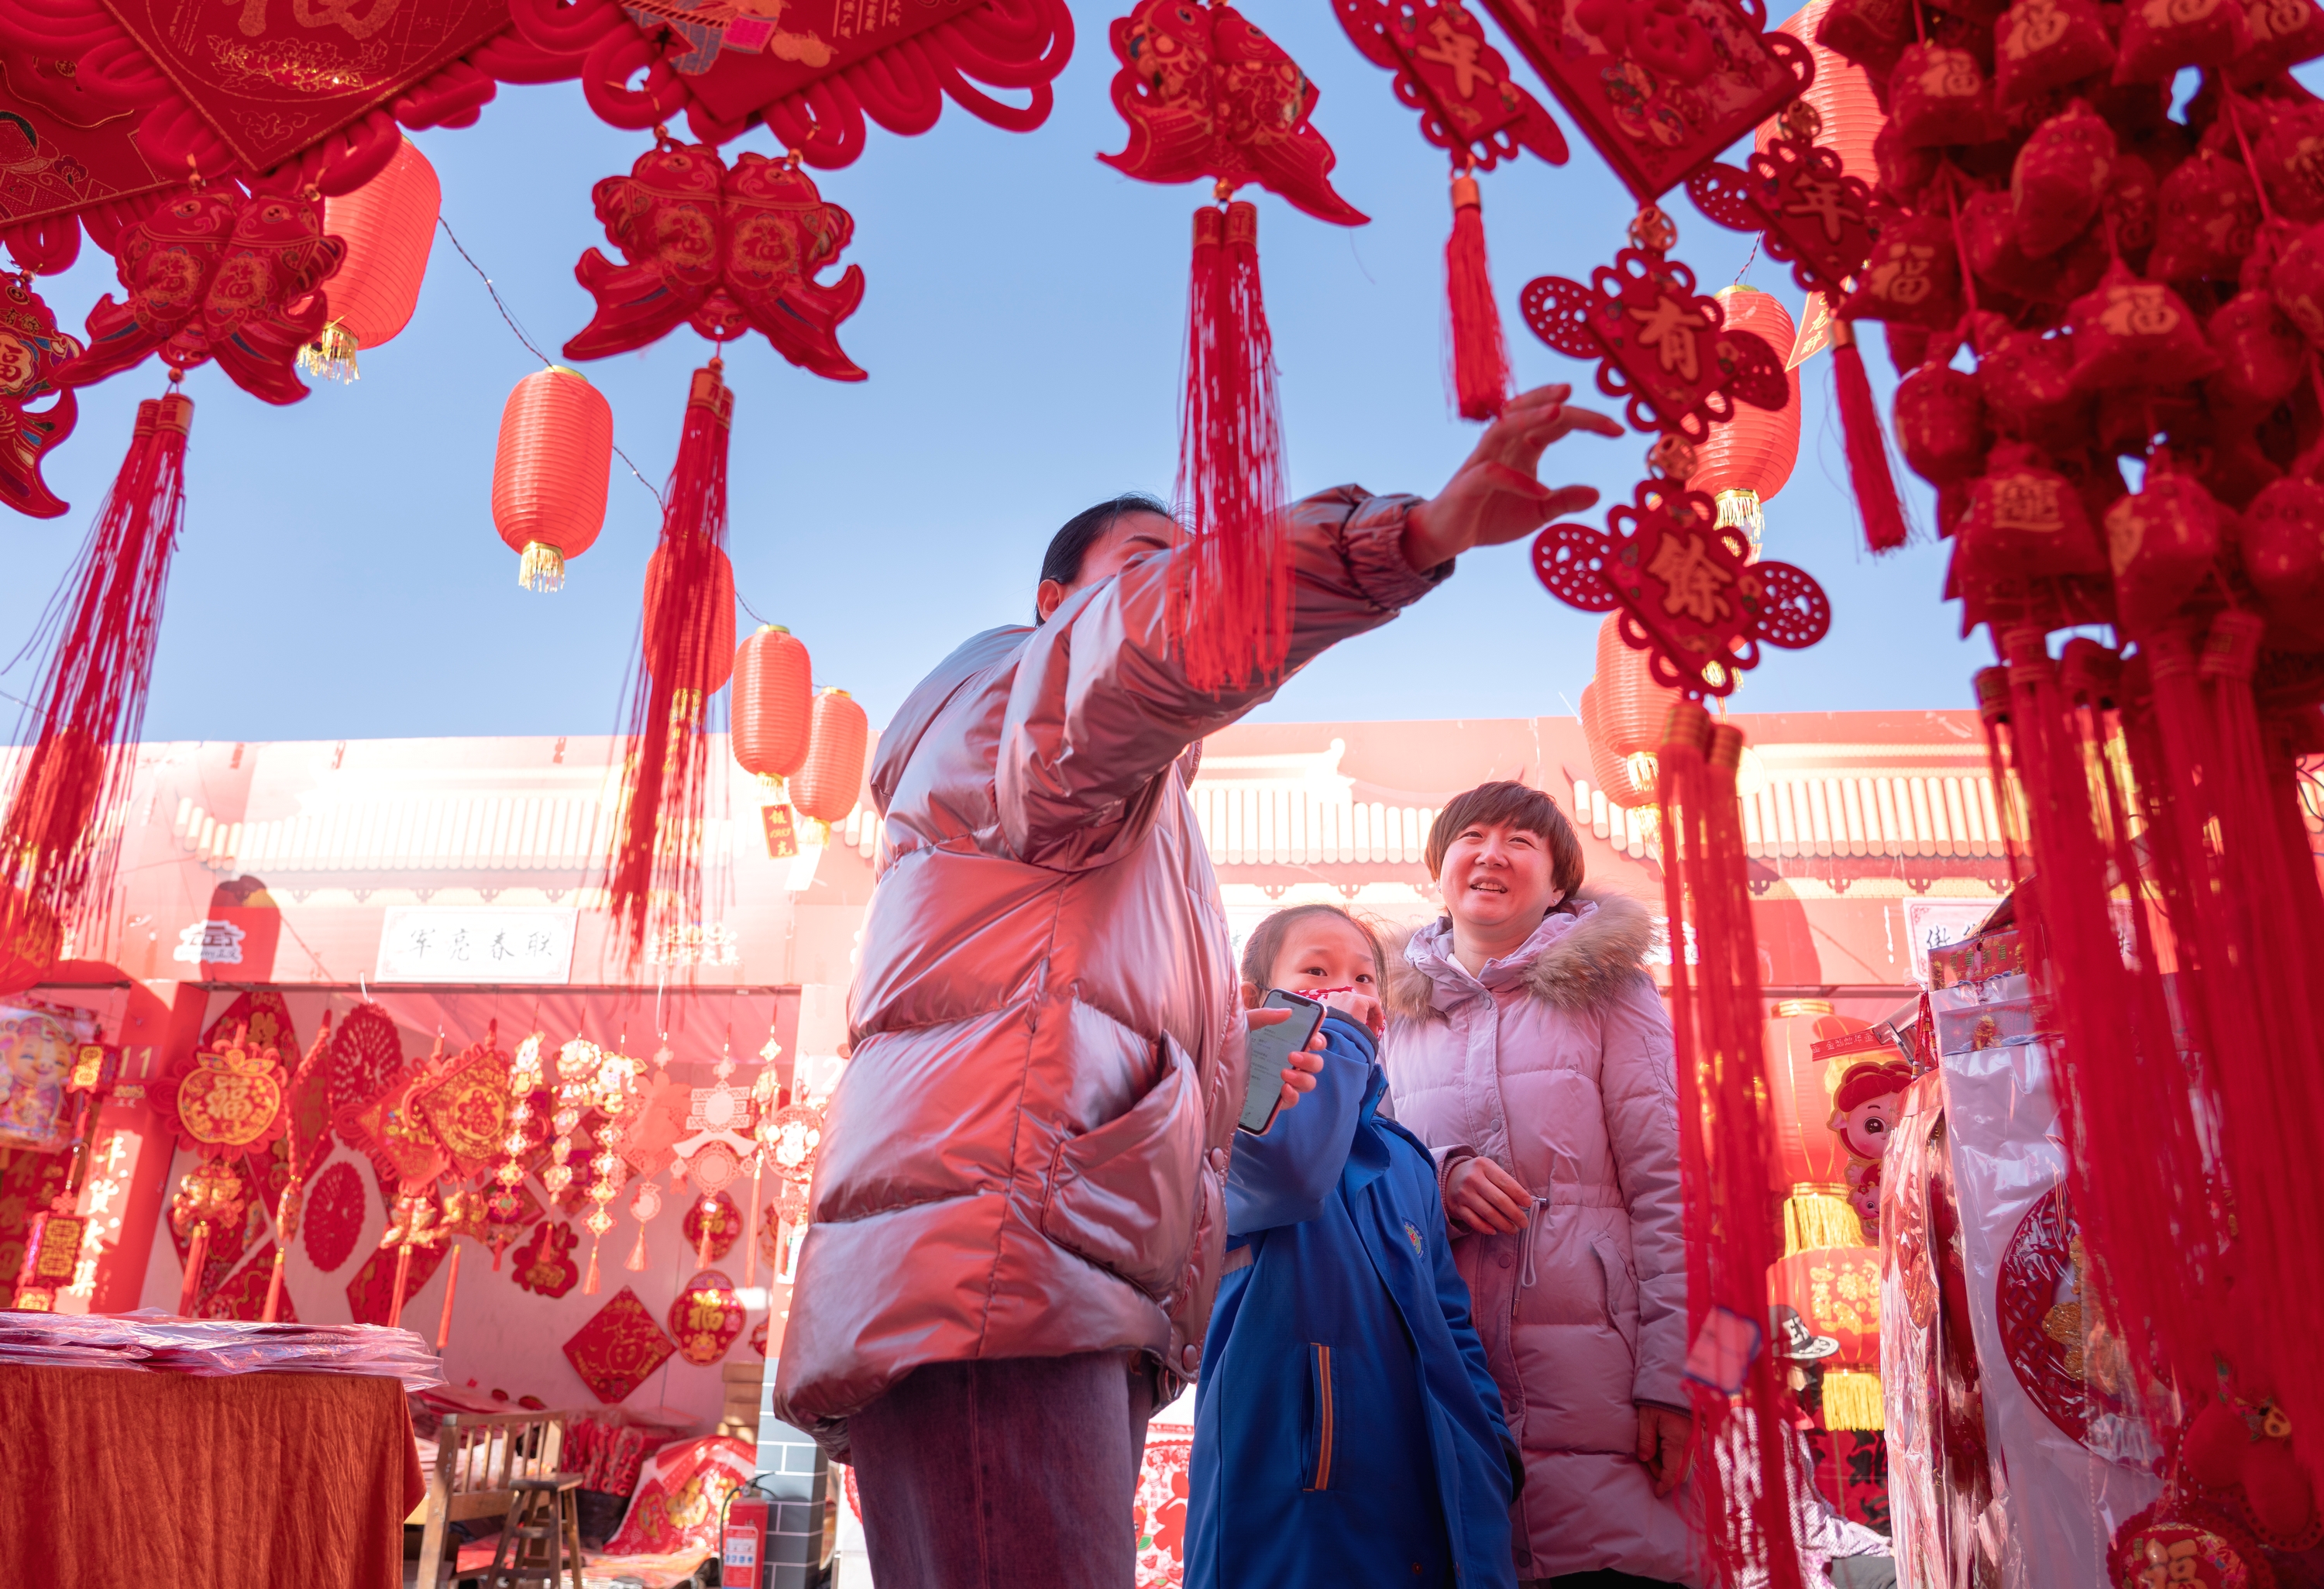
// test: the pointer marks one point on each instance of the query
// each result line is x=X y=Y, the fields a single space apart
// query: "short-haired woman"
x=1527 y=1045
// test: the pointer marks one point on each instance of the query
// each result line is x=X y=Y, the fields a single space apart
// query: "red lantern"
x=827 y=788
x=773 y=705
x=550 y=473
x=388 y=225
x=1747 y=459
x=1623 y=779
x=1624 y=713
x=700 y=652
x=1842 y=96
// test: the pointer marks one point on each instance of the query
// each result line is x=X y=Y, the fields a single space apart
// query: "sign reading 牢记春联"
x=478 y=943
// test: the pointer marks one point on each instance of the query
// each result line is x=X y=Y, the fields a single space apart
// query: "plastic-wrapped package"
x=2062 y=1416
x=165 y=1343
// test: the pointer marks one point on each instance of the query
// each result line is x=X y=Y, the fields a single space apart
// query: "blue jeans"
x=1015 y=1473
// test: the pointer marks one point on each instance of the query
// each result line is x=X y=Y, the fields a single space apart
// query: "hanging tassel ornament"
x=1230 y=605
x=654 y=877
x=1868 y=446
x=1481 y=353
x=61 y=833
x=1725 y=1131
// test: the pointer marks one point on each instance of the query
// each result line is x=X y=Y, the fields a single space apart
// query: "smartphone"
x=1270 y=1049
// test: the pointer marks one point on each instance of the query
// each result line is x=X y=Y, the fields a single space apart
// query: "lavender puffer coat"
x=1027 y=1156
x=1557 y=1064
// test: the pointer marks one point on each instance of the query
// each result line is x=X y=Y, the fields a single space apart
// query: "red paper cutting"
x=1447 y=70
x=620 y=1346
x=366 y=1055
x=1661 y=87
x=334 y=1216
x=1813 y=216
x=242 y=1294
x=272 y=76
x=1208 y=95
x=374 y=1285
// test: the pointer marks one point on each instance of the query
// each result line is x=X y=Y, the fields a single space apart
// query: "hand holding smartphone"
x=1270 y=1049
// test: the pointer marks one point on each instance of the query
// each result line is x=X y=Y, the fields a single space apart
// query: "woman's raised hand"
x=1494 y=497
x=1482 y=1196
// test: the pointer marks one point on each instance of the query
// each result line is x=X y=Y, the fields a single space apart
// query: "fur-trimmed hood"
x=1580 y=967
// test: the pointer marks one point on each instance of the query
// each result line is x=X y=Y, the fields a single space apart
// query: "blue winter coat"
x=1347 y=1431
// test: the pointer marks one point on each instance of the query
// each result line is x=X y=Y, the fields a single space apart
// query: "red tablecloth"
x=120 y=1477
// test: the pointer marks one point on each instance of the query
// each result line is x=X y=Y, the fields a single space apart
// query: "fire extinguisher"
x=742 y=1537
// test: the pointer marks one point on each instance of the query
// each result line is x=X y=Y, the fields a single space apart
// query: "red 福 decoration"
x=726 y=249
x=551 y=471
x=773 y=708
x=389 y=226
x=1208 y=95
x=1659 y=86
x=61 y=834
x=828 y=785
x=31 y=350
x=1469 y=107
x=1747 y=459
x=653 y=875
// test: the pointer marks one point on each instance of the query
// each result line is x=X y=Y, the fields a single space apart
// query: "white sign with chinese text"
x=1938 y=924
x=478 y=943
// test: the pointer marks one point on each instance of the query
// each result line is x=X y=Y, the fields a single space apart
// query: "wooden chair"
x=480 y=1460
x=541 y=1543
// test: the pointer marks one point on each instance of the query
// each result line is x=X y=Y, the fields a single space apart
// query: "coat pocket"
x=1621 y=1291
x=1322 y=1441
x=1123 y=1196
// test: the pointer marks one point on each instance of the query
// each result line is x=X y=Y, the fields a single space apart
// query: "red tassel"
x=636 y=1260
x=1867 y=449
x=1481 y=353
x=61 y=833
x=654 y=878
x=1733 y=1232
x=589 y=1282
x=402 y=1279
x=702 y=1248
x=1230 y=607
x=197 y=1253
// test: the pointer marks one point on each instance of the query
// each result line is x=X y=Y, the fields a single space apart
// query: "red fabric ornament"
x=2283 y=33
x=1938 y=95
x=2181 y=1542
x=214 y=276
x=1480 y=352
x=2288 y=151
x=2228 y=1448
x=2162 y=544
x=1905 y=171
x=32 y=349
x=92 y=689
x=2028 y=384
x=1688 y=594
x=550 y=470
x=1661 y=87
x=1665 y=347
x=1813 y=216
x=773 y=705
x=1940 y=423
x=1448 y=70
x=2132 y=200
x=1873 y=34
x=619 y=1348
x=2060 y=178
x=2044 y=44
x=2132 y=333
x=2296 y=283
x=1912 y=276
x=2208 y=209
x=728 y=250
x=2160 y=37
x=1206 y=93
x=654 y=873
x=1988 y=225
x=705 y=1318
x=2281 y=534
x=2261 y=352
x=389 y=226
x=829 y=784
x=2027 y=519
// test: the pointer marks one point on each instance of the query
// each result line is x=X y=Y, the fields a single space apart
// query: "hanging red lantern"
x=1623 y=711
x=551 y=472
x=773 y=705
x=827 y=787
x=1624 y=780
x=1747 y=459
x=389 y=225
x=1842 y=96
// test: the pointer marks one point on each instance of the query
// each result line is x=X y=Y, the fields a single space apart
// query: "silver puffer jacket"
x=1026 y=1155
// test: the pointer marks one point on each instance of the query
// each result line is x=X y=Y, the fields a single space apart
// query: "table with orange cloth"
x=173 y=1480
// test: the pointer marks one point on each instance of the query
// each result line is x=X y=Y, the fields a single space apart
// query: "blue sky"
x=340 y=577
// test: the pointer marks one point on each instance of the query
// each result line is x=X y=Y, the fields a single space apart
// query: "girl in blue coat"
x=1347 y=1431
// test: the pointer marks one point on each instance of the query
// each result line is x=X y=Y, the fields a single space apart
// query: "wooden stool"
x=541 y=1543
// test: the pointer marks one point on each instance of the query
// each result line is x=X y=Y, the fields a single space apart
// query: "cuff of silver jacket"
x=1372 y=542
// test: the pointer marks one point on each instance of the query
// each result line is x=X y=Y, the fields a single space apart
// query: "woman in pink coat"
x=1528 y=1047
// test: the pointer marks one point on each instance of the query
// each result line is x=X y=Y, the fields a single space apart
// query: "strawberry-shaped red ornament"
x=2208 y=209
x=2162 y=544
x=2161 y=37
x=1940 y=423
x=2044 y=44
x=2281 y=534
x=2261 y=352
x=1938 y=95
x=2129 y=332
x=2060 y=179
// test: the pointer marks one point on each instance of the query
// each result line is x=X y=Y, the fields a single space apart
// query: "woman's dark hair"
x=1518 y=806
x=1258 y=955
x=1069 y=546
